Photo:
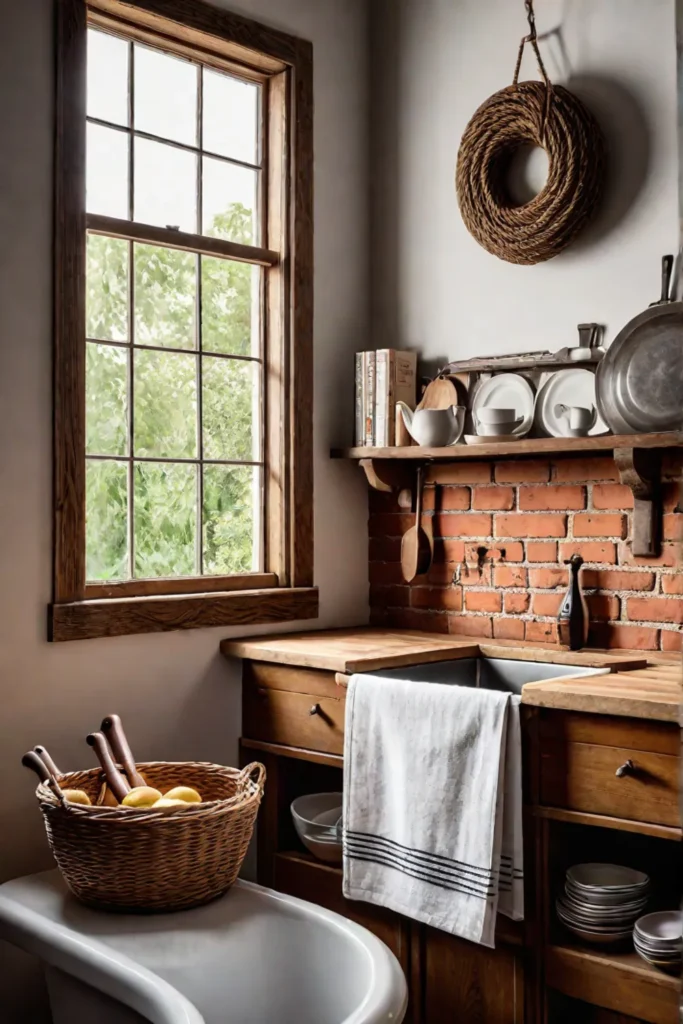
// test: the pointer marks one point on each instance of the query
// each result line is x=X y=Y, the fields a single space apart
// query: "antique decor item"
x=573 y=621
x=537 y=114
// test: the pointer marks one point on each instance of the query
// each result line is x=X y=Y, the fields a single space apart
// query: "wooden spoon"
x=116 y=782
x=113 y=730
x=47 y=760
x=439 y=394
x=35 y=762
x=416 y=551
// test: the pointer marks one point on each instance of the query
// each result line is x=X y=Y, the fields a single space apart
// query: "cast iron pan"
x=640 y=380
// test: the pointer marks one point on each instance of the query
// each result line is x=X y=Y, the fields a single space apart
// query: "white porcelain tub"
x=252 y=957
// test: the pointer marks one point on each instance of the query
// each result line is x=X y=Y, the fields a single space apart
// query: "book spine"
x=359 y=424
x=381 y=394
x=391 y=398
x=370 y=398
x=405 y=383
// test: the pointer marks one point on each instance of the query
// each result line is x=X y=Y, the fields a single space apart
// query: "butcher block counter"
x=601 y=771
x=640 y=685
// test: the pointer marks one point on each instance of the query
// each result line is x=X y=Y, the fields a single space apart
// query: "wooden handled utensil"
x=416 y=550
x=113 y=730
x=47 y=760
x=35 y=762
x=116 y=782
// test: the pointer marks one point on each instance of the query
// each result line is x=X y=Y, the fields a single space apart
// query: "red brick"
x=385 y=573
x=672 y=526
x=603 y=606
x=475 y=625
x=541 y=632
x=516 y=525
x=671 y=640
x=436 y=598
x=390 y=524
x=423 y=621
x=443 y=575
x=547 y=579
x=508 y=629
x=385 y=549
x=541 y=551
x=516 y=604
x=672 y=583
x=390 y=597
x=543 y=499
x=473 y=524
x=508 y=551
x=454 y=499
x=483 y=601
x=577 y=470
x=671 y=496
x=509 y=576
x=612 y=496
x=460 y=473
x=590 y=551
x=428 y=498
x=514 y=472
x=618 y=579
x=667 y=558
x=635 y=638
x=449 y=550
x=493 y=498
x=547 y=604
x=655 y=609
x=591 y=524
x=378 y=616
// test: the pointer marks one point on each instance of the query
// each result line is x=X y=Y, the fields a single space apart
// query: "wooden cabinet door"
x=464 y=983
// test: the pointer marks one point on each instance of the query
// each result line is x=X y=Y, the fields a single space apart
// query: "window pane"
x=106 y=391
x=165 y=516
x=230 y=308
x=231 y=501
x=106 y=520
x=165 y=96
x=106 y=297
x=165 y=389
x=230 y=409
x=230 y=117
x=165 y=185
x=165 y=296
x=107 y=77
x=107 y=172
x=229 y=201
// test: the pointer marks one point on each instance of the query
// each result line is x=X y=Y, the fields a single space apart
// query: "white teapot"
x=434 y=428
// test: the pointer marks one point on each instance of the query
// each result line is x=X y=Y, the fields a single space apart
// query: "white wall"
x=177 y=697
x=435 y=61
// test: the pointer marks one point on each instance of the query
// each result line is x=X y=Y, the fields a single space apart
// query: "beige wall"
x=177 y=697
x=435 y=61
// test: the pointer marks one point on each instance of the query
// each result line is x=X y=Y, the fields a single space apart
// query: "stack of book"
x=383 y=378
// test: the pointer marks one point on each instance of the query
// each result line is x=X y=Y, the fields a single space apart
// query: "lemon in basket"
x=185 y=794
x=141 y=796
x=166 y=802
x=77 y=796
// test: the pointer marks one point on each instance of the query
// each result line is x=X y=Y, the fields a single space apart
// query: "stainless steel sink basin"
x=491 y=673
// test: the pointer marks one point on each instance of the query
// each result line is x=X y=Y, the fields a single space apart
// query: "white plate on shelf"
x=506 y=391
x=566 y=387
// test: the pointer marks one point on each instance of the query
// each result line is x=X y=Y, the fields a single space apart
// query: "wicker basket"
x=123 y=858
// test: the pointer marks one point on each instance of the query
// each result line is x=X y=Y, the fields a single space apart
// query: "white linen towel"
x=429 y=830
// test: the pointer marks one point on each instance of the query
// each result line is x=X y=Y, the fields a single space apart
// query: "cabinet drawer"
x=294 y=719
x=582 y=777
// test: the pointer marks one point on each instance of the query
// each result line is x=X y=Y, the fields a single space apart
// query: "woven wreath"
x=540 y=114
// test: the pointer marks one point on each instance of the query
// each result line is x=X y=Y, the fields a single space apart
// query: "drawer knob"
x=315 y=710
x=627 y=768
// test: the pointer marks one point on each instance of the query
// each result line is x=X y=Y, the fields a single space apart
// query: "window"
x=183 y=333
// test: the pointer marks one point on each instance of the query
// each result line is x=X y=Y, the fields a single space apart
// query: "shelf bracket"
x=387 y=475
x=640 y=469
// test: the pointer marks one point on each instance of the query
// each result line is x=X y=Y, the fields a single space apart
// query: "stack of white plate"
x=602 y=901
x=657 y=937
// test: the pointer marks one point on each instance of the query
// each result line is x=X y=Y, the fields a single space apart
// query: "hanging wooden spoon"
x=416 y=551
x=116 y=782
x=113 y=730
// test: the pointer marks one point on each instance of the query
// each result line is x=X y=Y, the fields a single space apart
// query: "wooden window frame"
x=284 y=65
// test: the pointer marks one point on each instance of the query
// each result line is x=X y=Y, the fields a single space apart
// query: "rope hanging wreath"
x=538 y=114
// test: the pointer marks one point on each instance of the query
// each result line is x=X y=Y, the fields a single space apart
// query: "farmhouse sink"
x=490 y=673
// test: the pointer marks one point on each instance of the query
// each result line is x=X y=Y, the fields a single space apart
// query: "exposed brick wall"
x=502 y=534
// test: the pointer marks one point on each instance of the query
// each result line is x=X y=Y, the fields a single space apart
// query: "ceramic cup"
x=494 y=422
x=579 y=419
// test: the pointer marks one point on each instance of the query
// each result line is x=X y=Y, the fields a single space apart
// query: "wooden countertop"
x=640 y=684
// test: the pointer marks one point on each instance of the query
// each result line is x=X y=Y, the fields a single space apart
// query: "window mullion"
x=131 y=317
x=198 y=335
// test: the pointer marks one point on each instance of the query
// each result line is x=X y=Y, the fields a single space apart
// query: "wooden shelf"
x=525 y=446
x=622 y=982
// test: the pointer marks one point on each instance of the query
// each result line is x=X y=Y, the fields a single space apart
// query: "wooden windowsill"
x=88 y=620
